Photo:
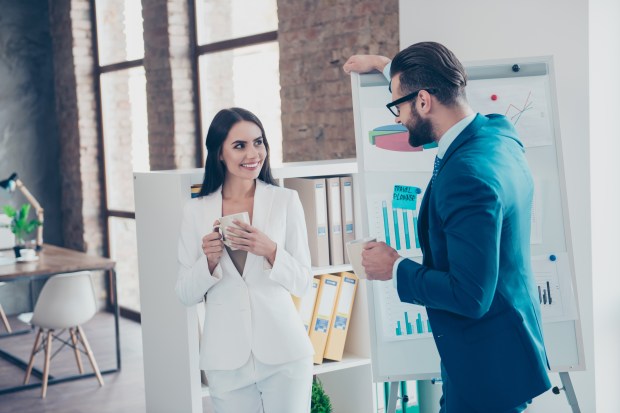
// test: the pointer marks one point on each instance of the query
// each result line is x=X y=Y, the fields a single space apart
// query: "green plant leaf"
x=25 y=210
x=20 y=225
x=9 y=211
x=320 y=399
x=32 y=225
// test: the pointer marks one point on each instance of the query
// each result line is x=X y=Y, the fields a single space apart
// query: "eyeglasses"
x=393 y=106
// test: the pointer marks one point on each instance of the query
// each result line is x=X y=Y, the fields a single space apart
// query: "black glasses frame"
x=393 y=106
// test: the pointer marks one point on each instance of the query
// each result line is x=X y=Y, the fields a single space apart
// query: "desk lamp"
x=13 y=182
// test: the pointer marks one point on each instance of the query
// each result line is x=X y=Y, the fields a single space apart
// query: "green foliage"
x=320 y=400
x=20 y=225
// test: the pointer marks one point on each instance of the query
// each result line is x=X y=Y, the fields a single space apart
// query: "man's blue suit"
x=476 y=279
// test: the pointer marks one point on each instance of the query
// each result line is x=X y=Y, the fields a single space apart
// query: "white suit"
x=252 y=313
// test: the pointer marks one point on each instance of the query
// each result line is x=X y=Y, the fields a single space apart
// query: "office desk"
x=56 y=260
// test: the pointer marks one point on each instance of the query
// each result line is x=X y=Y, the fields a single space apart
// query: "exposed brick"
x=316 y=37
x=80 y=159
x=169 y=84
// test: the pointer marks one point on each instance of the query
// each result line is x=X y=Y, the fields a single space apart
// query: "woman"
x=255 y=351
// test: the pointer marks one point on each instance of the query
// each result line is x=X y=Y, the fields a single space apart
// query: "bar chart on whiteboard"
x=397 y=227
x=400 y=321
x=554 y=287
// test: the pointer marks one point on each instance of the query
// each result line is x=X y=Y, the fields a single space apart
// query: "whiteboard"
x=402 y=346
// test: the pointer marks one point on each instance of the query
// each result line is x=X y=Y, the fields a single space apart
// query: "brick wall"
x=316 y=37
x=172 y=139
x=83 y=227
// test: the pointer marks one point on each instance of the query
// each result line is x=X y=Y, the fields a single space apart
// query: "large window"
x=122 y=91
x=237 y=59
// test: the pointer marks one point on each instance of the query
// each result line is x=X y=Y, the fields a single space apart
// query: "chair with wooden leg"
x=66 y=302
x=5 y=320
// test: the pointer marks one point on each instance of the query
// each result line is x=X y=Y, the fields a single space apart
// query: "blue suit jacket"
x=476 y=279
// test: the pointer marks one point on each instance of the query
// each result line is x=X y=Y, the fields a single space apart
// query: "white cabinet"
x=170 y=330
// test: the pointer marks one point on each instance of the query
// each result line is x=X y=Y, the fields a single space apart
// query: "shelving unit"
x=331 y=269
x=170 y=330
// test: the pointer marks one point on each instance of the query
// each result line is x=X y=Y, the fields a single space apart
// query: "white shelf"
x=315 y=168
x=332 y=269
x=348 y=361
x=173 y=383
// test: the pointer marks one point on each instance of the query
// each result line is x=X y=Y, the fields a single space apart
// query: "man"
x=474 y=229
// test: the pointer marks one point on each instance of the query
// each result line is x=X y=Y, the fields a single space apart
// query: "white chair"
x=66 y=302
x=5 y=321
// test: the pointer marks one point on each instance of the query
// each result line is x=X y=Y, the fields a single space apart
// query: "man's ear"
x=425 y=100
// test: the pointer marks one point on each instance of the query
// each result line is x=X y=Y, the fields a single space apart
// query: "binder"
x=334 y=348
x=348 y=219
x=313 y=196
x=323 y=310
x=334 y=220
x=305 y=304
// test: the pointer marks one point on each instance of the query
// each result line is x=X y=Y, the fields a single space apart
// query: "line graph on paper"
x=524 y=101
x=514 y=112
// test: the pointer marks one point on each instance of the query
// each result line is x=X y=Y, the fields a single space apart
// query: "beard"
x=420 y=130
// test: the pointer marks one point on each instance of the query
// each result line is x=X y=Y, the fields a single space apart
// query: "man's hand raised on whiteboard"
x=378 y=260
x=364 y=63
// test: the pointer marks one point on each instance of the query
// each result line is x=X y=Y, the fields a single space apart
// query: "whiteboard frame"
x=502 y=68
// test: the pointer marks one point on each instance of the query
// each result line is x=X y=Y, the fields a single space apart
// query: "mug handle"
x=217 y=227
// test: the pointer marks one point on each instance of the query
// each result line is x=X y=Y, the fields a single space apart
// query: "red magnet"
x=493 y=97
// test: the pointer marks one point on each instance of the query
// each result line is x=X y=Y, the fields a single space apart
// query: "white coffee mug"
x=27 y=253
x=227 y=221
x=354 y=251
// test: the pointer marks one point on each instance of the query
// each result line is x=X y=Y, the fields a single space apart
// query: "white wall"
x=490 y=29
x=605 y=174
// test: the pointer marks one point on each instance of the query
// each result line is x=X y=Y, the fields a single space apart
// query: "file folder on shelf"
x=348 y=219
x=305 y=304
x=334 y=220
x=339 y=326
x=313 y=196
x=323 y=310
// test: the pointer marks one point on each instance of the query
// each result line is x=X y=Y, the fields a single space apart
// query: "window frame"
x=197 y=50
x=106 y=212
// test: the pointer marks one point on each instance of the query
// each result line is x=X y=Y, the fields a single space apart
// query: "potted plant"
x=20 y=225
x=320 y=399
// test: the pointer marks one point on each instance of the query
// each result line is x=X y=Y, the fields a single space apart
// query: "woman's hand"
x=213 y=247
x=250 y=239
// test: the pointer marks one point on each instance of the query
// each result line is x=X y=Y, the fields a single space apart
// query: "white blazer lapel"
x=213 y=211
x=263 y=199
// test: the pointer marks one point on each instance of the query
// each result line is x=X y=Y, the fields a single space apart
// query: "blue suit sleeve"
x=464 y=234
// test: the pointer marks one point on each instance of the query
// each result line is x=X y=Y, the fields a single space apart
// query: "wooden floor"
x=122 y=392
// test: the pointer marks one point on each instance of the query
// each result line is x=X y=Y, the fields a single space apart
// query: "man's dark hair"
x=430 y=65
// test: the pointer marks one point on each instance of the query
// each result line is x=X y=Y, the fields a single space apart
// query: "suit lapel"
x=469 y=131
x=263 y=199
x=423 y=217
x=213 y=211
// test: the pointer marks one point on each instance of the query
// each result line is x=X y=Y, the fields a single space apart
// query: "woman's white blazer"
x=253 y=311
